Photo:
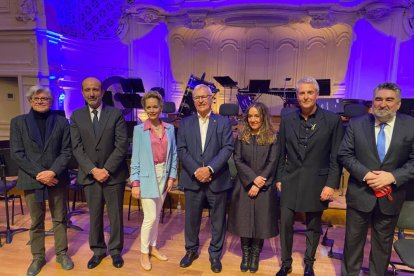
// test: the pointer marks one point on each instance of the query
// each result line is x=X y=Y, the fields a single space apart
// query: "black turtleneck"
x=40 y=119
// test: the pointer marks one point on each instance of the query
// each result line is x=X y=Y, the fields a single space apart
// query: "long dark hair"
x=267 y=134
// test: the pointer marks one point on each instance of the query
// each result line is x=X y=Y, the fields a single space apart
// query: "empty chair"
x=168 y=108
x=352 y=110
x=404 y=247
x=230 y=110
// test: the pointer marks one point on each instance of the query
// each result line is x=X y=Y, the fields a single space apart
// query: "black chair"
x=11 y=185
x=404 y=247
x=352 y=110
x=168 y=108
x=77 y=192
x=129 y=187
x=8 y=168
x=230 y=110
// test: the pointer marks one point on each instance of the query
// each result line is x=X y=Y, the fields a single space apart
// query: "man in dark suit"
x=204 y=145
x=99 y=141
x=40 y=145
x=378 y=152
x=308 y=170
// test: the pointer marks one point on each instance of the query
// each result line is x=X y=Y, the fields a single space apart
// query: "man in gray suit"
x=308 y=170
x=40 y=145
x=99 y=141
x=378 y=152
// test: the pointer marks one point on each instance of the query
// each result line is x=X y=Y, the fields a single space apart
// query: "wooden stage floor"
x=15 y=257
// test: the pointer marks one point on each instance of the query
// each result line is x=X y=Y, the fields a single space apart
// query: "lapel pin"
x=313 y=126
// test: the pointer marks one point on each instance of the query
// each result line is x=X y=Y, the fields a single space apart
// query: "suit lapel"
x=103 y=119
x=369 y=131
x=295 y=124
x=86 y=119
x=319 y=120
x=34 y=131
x=212 y=125
x=50 y=125
x=395 y=137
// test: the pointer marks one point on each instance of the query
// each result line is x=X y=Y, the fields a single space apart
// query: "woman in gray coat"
x=253 y=211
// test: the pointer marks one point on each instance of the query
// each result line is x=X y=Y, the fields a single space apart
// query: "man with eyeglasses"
x=40 y=145
x=204 y=145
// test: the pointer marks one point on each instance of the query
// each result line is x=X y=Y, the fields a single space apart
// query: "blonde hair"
x=152 y=94
x=267 y=134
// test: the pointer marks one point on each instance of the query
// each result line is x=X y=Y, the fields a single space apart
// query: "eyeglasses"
x=40 y=99
x=201 y=97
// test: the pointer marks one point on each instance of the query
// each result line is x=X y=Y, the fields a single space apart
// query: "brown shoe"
x=145 y=262
x=157 y=254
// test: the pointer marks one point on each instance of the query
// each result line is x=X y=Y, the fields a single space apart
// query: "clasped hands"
x=47 y=178
x=100 y=175
x=203 y=174
x=379 y=180
x=258 y=183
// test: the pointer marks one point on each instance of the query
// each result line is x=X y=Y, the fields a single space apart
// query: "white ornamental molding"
x=377 y=11
x=27 y=10
x=321 y=19
x=148 y=15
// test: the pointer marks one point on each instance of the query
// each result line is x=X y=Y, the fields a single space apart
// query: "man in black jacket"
x=40 y=145
x=308 y=171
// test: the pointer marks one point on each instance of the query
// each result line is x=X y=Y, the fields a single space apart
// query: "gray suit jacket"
x=33 y=156
x=107 y=150
x=303 y=177
x=359 y=155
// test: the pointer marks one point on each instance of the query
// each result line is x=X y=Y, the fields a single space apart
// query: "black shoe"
x=284 y=270
x=117 y=261
x=95 y=261
x=65 y=261
x=309 y=270
x=215 y=265
x=188 y=259
x=35 y=267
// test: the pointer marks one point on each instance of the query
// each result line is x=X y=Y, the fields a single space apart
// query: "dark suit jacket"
x=108 y=150
x=303 y=177
x=217 y=150
x=359 y=155
x=33 y=156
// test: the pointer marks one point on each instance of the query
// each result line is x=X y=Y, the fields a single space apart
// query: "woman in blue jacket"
x=153 y=171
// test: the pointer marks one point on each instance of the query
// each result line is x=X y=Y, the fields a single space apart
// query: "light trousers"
x=152 y=210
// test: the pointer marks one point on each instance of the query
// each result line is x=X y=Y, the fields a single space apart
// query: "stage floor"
x=15 y=257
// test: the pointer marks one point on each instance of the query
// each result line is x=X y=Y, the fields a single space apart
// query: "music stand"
x=132 y=85
x=259 y=87
x=8 y=168
x=226 y=82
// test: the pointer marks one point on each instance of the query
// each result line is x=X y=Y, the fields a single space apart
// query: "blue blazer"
x=218 y=148
x=142 y=162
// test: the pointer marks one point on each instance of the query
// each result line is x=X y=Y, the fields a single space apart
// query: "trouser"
x=57 y=198
x=152 y=209
x=97 y=195
x=382 y=235
x=313 y=228
x=194 y=201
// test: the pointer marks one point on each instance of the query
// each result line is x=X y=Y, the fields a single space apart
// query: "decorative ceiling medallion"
x=148 y=15
x=321 y=19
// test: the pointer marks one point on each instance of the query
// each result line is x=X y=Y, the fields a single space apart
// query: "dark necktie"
x=381 y=142
x=95 y=121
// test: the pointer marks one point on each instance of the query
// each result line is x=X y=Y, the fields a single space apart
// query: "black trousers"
x=382 y=236
x=194 y=201
x=57 y=198
x=97 y=195
x=313 y=228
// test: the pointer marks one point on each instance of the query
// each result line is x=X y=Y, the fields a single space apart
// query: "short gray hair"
x=203 y=86
x=388 y=86
x=36 y=89
x=308 y=80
